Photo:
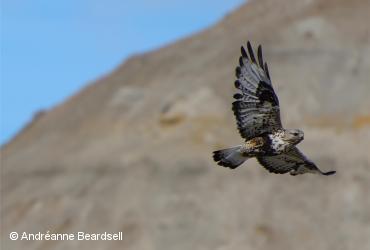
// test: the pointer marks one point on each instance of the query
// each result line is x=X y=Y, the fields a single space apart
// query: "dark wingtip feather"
x=238 y=96
x=259 y=54
x=235 y=106
x=250 y=51
x=241 y=63
x=238 y=71
x=237 y=84
x=267 y=71
x=244 y=53
x=329 y=173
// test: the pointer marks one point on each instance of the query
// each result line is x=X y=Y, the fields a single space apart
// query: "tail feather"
x=229 y=157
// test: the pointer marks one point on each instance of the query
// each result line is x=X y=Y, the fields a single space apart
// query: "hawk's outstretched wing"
x=292 y=161
x=257 y=107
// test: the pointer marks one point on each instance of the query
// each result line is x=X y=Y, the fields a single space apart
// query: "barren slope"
x=132 y=152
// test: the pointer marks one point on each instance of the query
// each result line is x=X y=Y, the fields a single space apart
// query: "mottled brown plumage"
x=257 y=113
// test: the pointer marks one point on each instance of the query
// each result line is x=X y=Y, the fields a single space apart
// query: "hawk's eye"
x=295 y=134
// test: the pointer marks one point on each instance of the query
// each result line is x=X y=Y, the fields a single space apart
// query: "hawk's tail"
x=229 y=157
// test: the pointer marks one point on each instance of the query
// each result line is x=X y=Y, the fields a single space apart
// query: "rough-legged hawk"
x=258 y=119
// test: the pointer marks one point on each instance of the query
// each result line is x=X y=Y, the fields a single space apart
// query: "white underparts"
x=277 y=143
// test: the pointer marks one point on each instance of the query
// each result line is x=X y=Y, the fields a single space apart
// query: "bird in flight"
x=257 y=112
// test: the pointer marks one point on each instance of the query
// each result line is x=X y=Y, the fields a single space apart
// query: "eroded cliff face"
x=132 y=151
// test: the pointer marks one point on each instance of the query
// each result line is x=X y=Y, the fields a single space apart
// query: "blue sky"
x=51 y=49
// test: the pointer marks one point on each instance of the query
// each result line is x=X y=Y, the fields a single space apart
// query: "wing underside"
x=292 y=161
x=256 y=107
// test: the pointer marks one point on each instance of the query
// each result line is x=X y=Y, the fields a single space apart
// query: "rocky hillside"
x=132 y=151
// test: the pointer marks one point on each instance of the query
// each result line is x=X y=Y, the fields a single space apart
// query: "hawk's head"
x=293 y=136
